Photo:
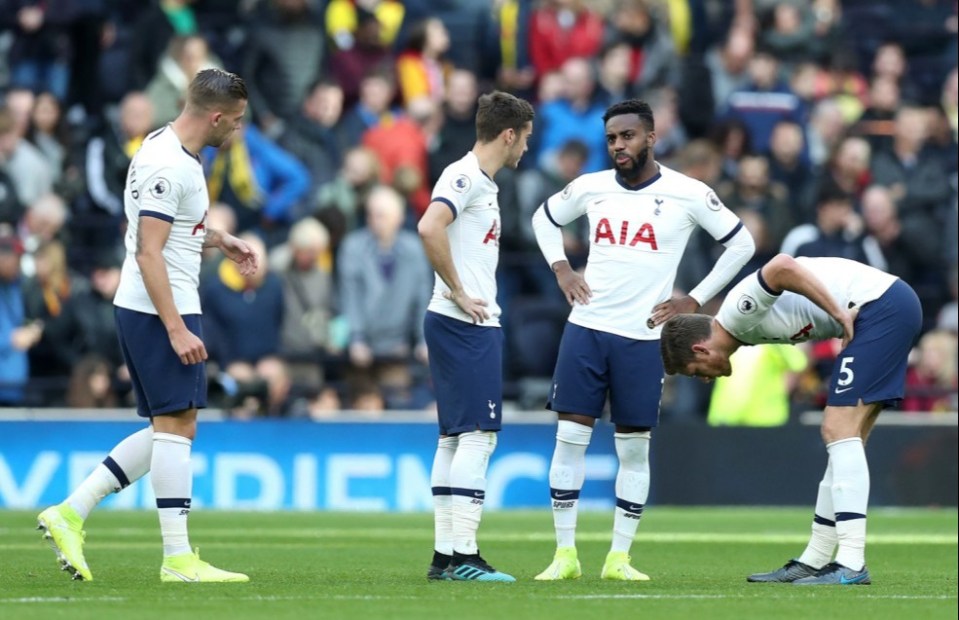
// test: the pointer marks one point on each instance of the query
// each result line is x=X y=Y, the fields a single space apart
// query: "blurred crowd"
x=828 y=126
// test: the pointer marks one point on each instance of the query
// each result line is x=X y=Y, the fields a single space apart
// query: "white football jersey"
x=165 y=181
x=637 y=236
x=754 y=314
x=473 y=235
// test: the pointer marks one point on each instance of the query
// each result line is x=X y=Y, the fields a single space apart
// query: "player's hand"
x=188 y=346
x=847 y=319
x=573 y=284
x=240 y=252
x=666 y=310
x=473 y=306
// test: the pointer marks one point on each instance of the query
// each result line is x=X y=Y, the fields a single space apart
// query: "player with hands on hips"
x=641 y=215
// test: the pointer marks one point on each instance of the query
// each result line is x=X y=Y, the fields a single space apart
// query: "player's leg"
x=126 y=463
x=442 y=507
x=466 y=366
x=868 y=375
x=172 y=393
x=634 y=404
x=580 y=383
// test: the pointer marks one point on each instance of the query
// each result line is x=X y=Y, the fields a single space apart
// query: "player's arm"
x=549 y=237
x=436 y=243
x=784 y=273
x=728 y=230
x=237 y=250
x=152 y=235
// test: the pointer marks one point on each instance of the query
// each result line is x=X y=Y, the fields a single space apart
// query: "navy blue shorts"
x=873 y=366
x=466 y=363
x=592 y=364
x=162 y=383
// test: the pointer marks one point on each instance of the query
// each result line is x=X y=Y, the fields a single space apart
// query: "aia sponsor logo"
x=492 y=235
x=625 y=234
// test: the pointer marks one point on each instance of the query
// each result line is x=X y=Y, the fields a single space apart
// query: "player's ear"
x=215 y=118
x=510 y=136
x=700 y=349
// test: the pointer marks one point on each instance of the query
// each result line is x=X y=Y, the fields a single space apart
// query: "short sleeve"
x=567 y=205
x=713 y=216
x=156 y=192
x=454 y=189
x=746 y=305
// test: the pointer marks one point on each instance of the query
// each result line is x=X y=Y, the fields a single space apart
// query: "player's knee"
x=573 y=433
x=632 y=448
x=477 y=441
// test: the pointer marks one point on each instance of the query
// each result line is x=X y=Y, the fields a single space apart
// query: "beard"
x=635 y=165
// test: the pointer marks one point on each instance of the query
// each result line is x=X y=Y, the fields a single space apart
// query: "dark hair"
x=499 y=111
x=679 y=335
x=416 y=39
x=216 y=88
x=632 y=106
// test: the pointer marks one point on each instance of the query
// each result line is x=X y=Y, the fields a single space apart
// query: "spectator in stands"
x=109 y=152
x=285 y=53
x=344 y=16
x=458 y=133
x=242 y=322
x=185 y=57
x=846 y=170
x=49 y=298
x=506 y=51
x=753 y=190
x=48 y=132
x=670 y=133
x=877 y=122
x=916 y=176
x=653 y=62
x=303 y=264
x=948 y=319
x=904 y=248
x=153 y=28
x=790 y=35
x=765 y=101
x=420 y=67
x=838 y=230
x=729 y=67
x=824 y=131
x=575 y=115
x=560 y=30
x=22 y=164
x=731 y=137
x=261 y=181
x=789 y=167
x=339 y=203
x=890 y=62
x=42 y=223
x=950 y=100
x=613 y=78
x=315 y=134
x=401 y=147
x=40 y=53
x=91 y=385
x=383 y=266
x=931 y=381
x=17 y=336
x=368 y=54
x=377 y=91
x=96 y=324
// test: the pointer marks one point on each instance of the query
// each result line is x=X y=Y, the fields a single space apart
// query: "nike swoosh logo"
x=478 y=494
x=181 y=576
x=856 y=579
x=838 y=391
x=562 y=495
x=634 y=508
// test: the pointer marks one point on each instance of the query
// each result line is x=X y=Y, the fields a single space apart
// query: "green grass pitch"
x=369 y=566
